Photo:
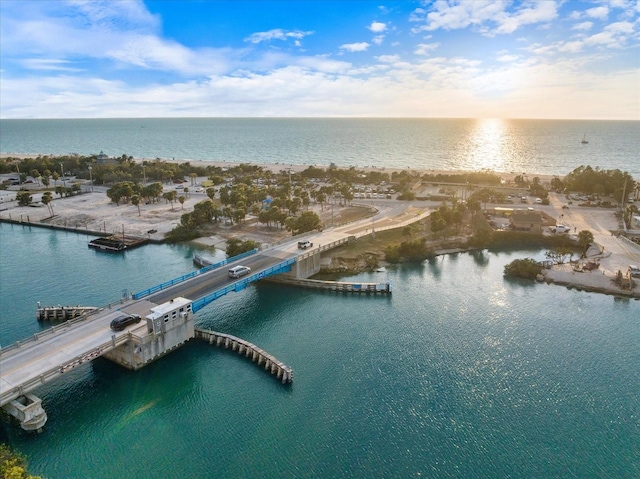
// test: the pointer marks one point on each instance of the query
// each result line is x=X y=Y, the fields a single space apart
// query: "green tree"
x=307 y=221
x=527 y=268
x=182 y=199
x=24 y=198
x=13 y=465
x=236 y=246
x=585 y=238
x=47 y=199
x=135 y=201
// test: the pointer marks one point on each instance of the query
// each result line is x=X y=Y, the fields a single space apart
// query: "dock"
x=117 y=243
x=277 y=368
x=62 y=313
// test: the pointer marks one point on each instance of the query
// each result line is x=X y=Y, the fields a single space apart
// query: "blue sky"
x=235 y=58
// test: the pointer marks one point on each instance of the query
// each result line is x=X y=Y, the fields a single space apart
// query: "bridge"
x=167 y=321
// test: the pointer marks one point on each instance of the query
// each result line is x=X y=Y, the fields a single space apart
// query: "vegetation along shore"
x=587 y=221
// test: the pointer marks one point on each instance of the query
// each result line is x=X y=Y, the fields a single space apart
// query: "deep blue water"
x=551 y=147
x=459 y=373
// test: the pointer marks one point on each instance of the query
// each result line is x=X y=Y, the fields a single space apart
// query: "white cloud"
x=377 y=27
x=601 y=13
x=378 y=39
x=355 y=47
x=582 y=26
x=425 y=48
x=276 y=34
x=450 y=15
x=47 y=64
x=507 y=58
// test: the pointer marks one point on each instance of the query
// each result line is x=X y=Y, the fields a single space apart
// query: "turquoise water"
x=459 y=373
x=521 y=146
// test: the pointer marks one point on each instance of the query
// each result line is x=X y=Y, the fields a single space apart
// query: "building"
x=104 y=160
x=526 y=220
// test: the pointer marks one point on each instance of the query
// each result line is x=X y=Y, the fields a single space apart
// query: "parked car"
x=634 y=271
x=124 y=320
x=560 y=229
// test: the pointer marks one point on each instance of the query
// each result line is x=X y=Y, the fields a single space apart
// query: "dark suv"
x=123 y=321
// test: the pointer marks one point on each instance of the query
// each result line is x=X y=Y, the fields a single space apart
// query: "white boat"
x=584 y=139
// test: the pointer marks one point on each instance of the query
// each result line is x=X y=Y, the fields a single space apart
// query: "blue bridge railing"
x=184 y=277
x=239 y=285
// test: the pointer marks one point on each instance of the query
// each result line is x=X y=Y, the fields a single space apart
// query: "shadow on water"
x=480 y=257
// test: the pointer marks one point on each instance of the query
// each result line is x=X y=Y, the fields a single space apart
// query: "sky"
x=330 y=58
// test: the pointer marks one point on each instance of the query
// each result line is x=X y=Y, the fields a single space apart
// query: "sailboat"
x=584 y=139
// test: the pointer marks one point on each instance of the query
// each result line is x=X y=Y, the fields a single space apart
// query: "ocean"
x=460 y=373
x=548 y=147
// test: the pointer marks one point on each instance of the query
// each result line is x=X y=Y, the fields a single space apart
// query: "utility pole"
x=91 y=177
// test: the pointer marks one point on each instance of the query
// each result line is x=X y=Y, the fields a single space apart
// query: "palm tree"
x=585 y=238
x=46 y=199
x=135 y=201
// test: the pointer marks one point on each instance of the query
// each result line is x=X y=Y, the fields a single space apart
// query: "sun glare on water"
x=487 y=145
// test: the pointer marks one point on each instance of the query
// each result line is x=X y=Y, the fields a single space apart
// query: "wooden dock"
x=337 y=286
x=282 y=372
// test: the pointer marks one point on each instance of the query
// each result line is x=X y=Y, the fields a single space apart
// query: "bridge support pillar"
x=28 y=410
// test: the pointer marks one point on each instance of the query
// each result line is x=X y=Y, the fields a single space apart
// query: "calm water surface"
x=458 y=374
x=528 y=146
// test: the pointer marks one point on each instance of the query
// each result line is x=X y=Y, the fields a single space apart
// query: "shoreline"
x=93 y=214
x=297 y=168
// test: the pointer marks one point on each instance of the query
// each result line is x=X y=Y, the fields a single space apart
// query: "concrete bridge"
x=167 y=310
x=167 y=322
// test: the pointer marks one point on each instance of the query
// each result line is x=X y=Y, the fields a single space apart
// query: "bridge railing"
x=184 y=277
x=200 y=303
x=32 y=383
x=58 y=327
x=395 y=225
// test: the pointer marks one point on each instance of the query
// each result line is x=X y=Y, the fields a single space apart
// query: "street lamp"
x=91 y=177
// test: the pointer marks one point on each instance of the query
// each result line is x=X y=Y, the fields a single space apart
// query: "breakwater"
x=275 y=367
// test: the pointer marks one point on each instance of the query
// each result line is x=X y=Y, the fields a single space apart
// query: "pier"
x=62 y=313
x=277 y=368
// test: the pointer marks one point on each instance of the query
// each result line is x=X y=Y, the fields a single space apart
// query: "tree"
x=24 y=198
x=181 y=199
x=560 y=254
x=135 y=201
x=170 y=196
x=307 y=221
x=236 y=247
x=527 y=268
x=13 y=465
x=585 y=238
x=47 y=198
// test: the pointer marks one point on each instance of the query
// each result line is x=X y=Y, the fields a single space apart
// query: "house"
x=104 y=160
x=526 y=220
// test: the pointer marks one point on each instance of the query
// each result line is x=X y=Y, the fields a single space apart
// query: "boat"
x=584 y=139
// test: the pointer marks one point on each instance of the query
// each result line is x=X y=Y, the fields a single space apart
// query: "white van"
x=238 y=271
x=304 y=244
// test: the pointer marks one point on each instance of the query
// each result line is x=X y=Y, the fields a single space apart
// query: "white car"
x=238 y=271
x=560 y=229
